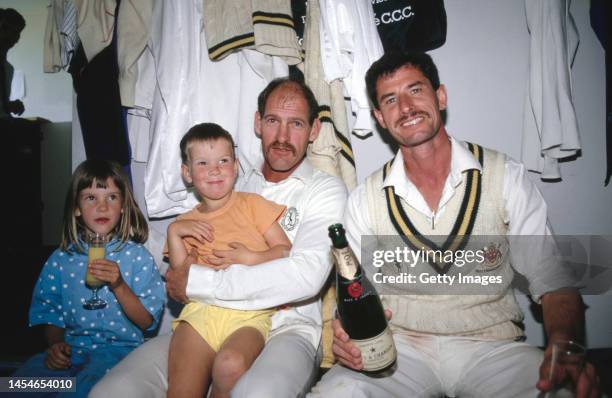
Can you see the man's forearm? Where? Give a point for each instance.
(278, 251)
(285, 280)
(563, 315)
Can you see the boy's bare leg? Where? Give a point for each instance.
(189, 363)
(234, 358)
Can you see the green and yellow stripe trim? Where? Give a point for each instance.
(270, 18)
(220, 50)
(346, 149)
(462, 229)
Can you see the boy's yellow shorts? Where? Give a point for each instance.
(216, 324)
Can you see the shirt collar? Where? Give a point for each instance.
(303, 172)
(461, 160)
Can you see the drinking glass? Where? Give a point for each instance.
(565, 367)
(97, 243)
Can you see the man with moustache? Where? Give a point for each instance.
(286, 122)
(453, 345)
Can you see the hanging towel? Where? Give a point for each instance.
(550, 128)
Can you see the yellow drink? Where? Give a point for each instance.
(94, 253)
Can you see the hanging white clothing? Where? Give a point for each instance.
(550, 128)
(193, 89)
(139, 115)
(349, 45)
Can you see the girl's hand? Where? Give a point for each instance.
(200, 230)
(107, 271)
(58, 356)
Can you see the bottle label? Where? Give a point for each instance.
(377, 352)
(346, 262)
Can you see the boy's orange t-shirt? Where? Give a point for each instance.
(244, 219)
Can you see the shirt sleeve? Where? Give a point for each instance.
(147, 285)
(295, 278)
(264, 211)
(533, 250)
(46, 307)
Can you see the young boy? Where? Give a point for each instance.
(229, 227)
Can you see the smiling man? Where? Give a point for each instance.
(448, 344)
(286, 122)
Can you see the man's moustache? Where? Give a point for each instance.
(284, 147)
(410, 116)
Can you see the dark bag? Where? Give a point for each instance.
(410, 25)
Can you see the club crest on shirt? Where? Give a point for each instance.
(291, 219)
(493, 254)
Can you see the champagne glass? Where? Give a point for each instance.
(97, 243)
(566, 365)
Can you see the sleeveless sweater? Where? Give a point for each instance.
(427, 309)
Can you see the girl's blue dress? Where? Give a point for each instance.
(99, 338)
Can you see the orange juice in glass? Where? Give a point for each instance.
(94, 253)
(96, 250)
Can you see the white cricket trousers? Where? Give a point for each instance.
(286, 367)
(435, 366)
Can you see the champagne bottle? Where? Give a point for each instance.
(359, 308)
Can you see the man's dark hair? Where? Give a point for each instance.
(204, 132)
(10, 16)
(390, 62)
(313, 106)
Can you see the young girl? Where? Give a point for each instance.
(86, 343)
(227, 226)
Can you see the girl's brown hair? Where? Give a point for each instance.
(132, 224)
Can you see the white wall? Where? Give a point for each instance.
(48, 95)
(484, 67)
